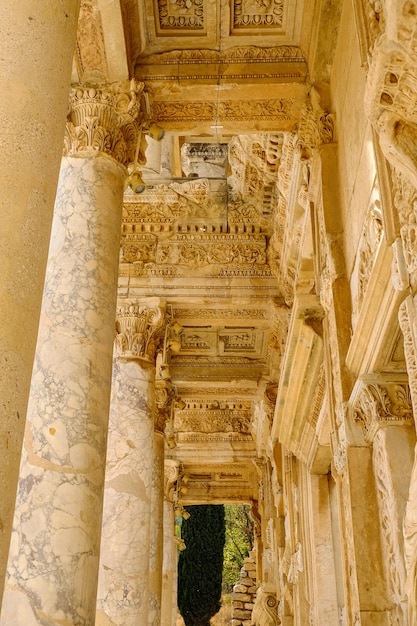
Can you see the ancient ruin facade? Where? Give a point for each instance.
(209, 295)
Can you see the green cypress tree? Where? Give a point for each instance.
(200, 564)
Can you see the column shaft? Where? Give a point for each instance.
(169, 565)
(157, 531)
(36, 51)
(125, 550)
(53, 559)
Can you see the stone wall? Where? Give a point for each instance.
(244, 593)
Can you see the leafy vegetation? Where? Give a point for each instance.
(239, 541)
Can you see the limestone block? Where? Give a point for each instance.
(241, 613)
(243, 597)
(239, 588)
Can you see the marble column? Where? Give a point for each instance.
(168, 597)
(169, 561)
(53, 559)
(157, 528)
(36, 51)
(123, 587)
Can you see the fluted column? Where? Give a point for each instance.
(36, 51)
(53, 560)
(124, 562)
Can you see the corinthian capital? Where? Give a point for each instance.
(137, 326)
(381, 403)
(316, 127)
(104, 119)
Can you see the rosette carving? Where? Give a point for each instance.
(104, 119)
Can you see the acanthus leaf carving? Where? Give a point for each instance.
(380, 404)
(136, 328)
(104, 119)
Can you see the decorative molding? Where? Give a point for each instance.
(104, 119)
(390, 526)
(206, 248)
(407, 316)
(405, 199)
(225, 110)
(369, 242)
(217, 314)
(136, 327)
(237, 55)
(213, 421)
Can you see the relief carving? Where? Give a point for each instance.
(235, 55)
(370, 239)
(265, 610)
(183, 15)
(392, 86)
(90, 53)
(248, 110)
(213, 421)
(204, 249)
(257, 13)
(389, 524)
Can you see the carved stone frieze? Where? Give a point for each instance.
(233, 110)
(104, 119)
(136, 328)
(213, 313)
(138, 248)
(206, 248)
(213, 421)
(185, 391)
(236, 54)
